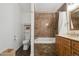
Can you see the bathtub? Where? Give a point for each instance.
(46, 40)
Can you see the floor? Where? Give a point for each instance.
(21, 52)
(40, 50)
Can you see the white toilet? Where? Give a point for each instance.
(26, 42)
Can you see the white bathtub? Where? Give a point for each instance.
(46, 40)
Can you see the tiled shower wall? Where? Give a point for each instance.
(46, 24)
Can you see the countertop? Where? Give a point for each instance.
(72, 37)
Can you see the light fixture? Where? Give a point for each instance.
(46, 24)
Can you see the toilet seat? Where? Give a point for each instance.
(25, 41)
(26, 44)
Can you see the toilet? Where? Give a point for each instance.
(26, 41)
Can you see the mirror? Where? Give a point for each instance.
(74, 22)
(74, 16)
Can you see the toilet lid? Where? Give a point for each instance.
(25, 41)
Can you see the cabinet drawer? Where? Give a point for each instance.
(75, 52)
(66, 42)
(75, 45)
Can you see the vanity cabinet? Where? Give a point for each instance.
(75, 48)
(67, 46)
(63, 46)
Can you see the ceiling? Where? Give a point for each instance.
(25, 7)
(41, 7)
(47, 7)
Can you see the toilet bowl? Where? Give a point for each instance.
(26, 44)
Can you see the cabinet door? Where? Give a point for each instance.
(59, 46)
(66, 47)
(75, 48)
(66, 51)
(75, 52)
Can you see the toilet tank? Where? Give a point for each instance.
(27, 35)
(27, 32)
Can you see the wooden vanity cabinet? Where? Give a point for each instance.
(66, 46)
(63, 46)
(75, 48)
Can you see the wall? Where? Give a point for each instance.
(10, 26)
(18, 27)
(45, 25)
(26, 13)
(26, 16)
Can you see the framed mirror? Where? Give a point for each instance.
(74, 17)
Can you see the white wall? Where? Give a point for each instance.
(26, 13)
(10, 25)
(18, 29)
(26, 16)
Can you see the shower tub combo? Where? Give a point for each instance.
(44, 46)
